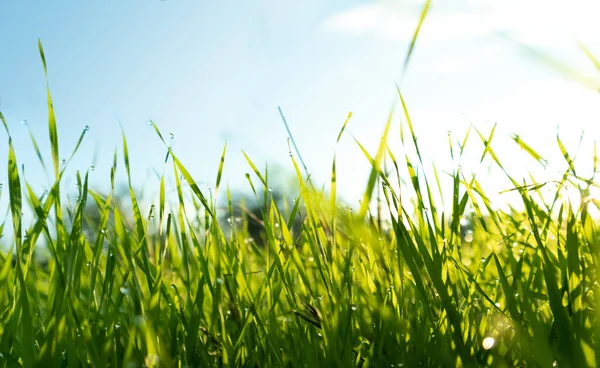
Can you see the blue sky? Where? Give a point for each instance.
(215, 72)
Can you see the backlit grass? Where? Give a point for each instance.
(409, 283)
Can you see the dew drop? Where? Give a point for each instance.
(139, 320)
(219, 280)
(353, 307)
(488, 343)
(124, 290)
(152, 360)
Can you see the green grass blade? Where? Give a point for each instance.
(413, 41)
(51, 118)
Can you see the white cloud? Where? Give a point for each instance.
(394, 23)
(535, 22)
(372, 19)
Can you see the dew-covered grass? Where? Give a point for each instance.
(401, 280)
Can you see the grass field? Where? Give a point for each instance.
(399, 281)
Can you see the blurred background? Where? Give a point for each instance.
(209, 73)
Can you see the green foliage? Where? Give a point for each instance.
(404, 288)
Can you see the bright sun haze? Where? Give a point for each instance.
(215, 73)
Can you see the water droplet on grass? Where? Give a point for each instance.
(139, 320)
(152, 360)
(353, 307)
(488, 343)
(124, 290)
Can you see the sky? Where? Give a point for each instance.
(214, 72)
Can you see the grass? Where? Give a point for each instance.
(409, 283)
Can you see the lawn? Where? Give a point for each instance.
(400, 280)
